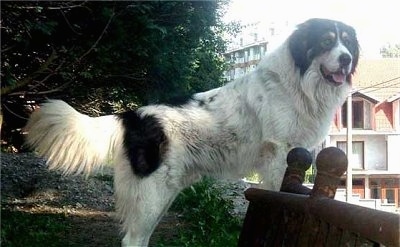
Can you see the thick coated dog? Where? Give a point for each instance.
(248, 124)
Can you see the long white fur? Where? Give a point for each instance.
(250, 124)
(73, 142)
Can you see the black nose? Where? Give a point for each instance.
(344, 60)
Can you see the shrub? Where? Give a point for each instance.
(207, 215)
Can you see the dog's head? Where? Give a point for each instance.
(331, 44)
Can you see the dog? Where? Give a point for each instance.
(247, 125)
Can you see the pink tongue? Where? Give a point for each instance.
(339, 78)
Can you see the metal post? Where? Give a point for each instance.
(349, 150)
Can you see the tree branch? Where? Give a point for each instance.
(98, 39)
(58, 89)
(68, 23)
(56, 8)
(31, 77)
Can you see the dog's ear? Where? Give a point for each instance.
(355, 51)
(355, 58)
(299, 46)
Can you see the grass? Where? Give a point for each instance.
(104, 177)
(34, 230)
(207, 216)
(310, 175)
(254, 177)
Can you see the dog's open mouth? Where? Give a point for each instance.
(337, 78)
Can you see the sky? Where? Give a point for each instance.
(376, 22)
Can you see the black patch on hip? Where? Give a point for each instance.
(144, 141)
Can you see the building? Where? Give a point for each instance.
(375, 132)
(250, 45)
(245, 59)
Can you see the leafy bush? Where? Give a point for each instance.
(207, 216)
(114, 53)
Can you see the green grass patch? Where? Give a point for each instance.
(254, 177)
(104, 177)
(310, 175)
(207, 216)
(33, 230)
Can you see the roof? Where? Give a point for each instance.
(394, 97)
(365, 96)
(241, 48)
(378, 79)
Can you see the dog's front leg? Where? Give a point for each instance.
(274, 165)
(273, 175)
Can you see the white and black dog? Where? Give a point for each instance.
(248, 124)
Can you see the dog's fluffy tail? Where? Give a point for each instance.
(73, 142)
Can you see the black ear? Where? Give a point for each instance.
(356, 54)
(355, 51)
(299, 46)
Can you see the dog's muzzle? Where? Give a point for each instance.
(339, 76)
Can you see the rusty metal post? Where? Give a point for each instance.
(298, 160)
(286, 219)
(331, 164)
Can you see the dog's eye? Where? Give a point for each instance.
(346, 41)
(327, 43)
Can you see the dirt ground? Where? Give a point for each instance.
(27, 186)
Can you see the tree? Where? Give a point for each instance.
(105, 57)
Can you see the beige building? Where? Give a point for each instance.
(375, 132)
(249, 46)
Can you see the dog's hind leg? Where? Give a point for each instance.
(141, 203)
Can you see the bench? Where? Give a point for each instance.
(299, 216)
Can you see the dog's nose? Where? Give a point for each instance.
(344, 60)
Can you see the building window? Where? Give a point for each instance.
(375, 193)
(358, 182)
(357, 159)
(256, 50)
(375, 187)
(390, 196)
(361, 114)
(246, 56)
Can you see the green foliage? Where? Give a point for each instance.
(254, 177)
(107, 57)
(111, 54)
(208, 217)
(24, 229)
(310, 175)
